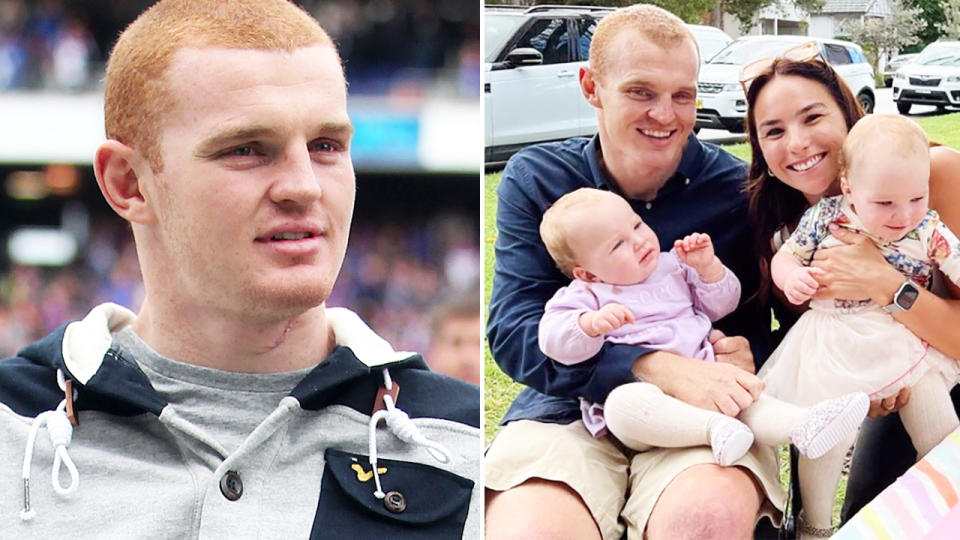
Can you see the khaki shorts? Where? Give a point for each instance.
(599, 471)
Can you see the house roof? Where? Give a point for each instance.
(855, 6)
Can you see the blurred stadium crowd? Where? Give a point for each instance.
(393, 47)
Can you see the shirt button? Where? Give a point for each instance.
(395, 502)
(231, 485)
(686, 182)
(649, 205)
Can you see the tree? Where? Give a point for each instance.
(932, 12)
(889, 34)
(950, 27)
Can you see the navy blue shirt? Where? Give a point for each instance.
(704, 195)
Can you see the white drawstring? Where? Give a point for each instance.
(60, 431)
(400, 424)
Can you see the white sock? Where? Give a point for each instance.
(929, 415)
(818, 484)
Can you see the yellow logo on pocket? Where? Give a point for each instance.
(365, 476)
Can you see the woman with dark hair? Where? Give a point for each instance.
(799, 113)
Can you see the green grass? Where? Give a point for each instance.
(499, 390)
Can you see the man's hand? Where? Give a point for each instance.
(734, 350)
(696, 251)
(606, 319)
(714, 386)
(883, 407)
(802, 284)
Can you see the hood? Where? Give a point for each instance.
(914, 70)
(719, 73)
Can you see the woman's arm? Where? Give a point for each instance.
(859, 270)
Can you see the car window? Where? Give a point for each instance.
(497, 29)
(585, 29)
(940, 54)
(856, 56)
(744, 51)
(836, 54)
(549, 36)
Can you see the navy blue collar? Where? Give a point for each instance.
(690, 164)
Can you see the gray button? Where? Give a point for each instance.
(686, 182)
(649, 205)
(231, 485)
(395, 502)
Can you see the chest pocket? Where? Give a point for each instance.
(421, 502)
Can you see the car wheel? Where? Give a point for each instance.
(902, 107)
(866, 102)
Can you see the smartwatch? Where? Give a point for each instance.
(904, 298)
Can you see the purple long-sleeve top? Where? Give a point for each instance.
(673, 309)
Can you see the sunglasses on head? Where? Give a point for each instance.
(804, 52)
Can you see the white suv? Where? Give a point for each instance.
(721, 103)
(933, 78)
(531, 73)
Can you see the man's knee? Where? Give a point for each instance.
(538, 509)
(707, 501)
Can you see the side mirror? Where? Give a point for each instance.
(524, 56)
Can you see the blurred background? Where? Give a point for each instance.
(413, 257)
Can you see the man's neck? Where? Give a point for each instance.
(636, 179)
(209, 338)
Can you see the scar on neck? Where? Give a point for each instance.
(283, 335)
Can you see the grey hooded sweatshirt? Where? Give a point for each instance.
(167, 450)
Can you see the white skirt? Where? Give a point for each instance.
(830, 352)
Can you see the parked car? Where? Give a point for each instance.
(721, 103)
(532, 60)
(894, 64)
(932, 78)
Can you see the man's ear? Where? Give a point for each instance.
(114, 167)
(583, 274)
(588, 85)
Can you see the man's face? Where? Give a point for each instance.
(647, 102)
(254, 202)
(457, 349)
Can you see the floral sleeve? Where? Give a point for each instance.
(812, 229)
(944, 249)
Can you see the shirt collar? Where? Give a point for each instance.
(690, 163)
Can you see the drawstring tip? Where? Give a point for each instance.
(27, 515)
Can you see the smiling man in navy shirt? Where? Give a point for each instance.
(546, 477)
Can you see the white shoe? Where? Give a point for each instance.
(829, 423)
(730, 439)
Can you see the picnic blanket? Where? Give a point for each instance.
(921, 504)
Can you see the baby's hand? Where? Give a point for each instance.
(696, 251)
(606, 319)
(802, 284)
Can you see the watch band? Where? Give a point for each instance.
(904, 298)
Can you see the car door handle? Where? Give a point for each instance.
(565, 73)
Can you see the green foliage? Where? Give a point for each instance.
(690, 11)
(950, 27)
(931, 11)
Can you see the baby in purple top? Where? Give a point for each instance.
(625, 290)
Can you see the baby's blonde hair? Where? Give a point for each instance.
(663, 28)
(553, 227)
(137, 93)
(883, 134)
